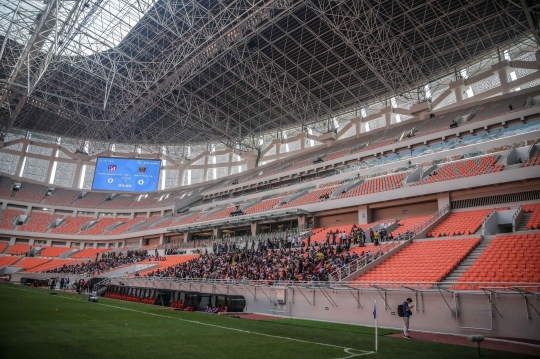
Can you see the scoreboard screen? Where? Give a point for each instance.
(126, 174)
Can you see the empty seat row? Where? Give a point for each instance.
(508, 259)
(428, 261)
(461, 223)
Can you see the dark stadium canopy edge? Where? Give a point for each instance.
(193, 71)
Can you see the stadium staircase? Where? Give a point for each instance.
(468, 261)
(377, 255)
(522, 227)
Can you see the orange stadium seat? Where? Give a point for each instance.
(462, 223)
(508, 259)
(169, 261)
(6, 261)
(61, 197)
(89, 253)
(118, 202)
(375, 185)
(125, 226)
(53, 251)
(534, 221)
(91, 200)
(407, 224)
(3, 246)
(71, 225)
(29, 192)
(38, 222)
(462, 169)
(19, 248)
(101, 225)
(55, 263)
(7, 218)
(428, 261)
(31, 262)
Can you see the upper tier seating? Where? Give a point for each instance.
(313, 196)
(190, 218)
(101, 225)
(143, 203)
(29, 263)
(375, 185)
(91, 200)
(509, 258)
(535, 161)
(146, 223)
(7, 218)
(125, 226)
(53, 251)
(61, 197)
(71, 225)
(38, 222)
(6, 261)
(118, 202)
(6, 186)
(220, 214)
(19, 248)
(56, 263)
(534, 221)
(263, 206)
(3, 246)
(407, 224)
(170, 261)
(428, 261)
(462, 169)
(32, 193)
(462, 223)
(89, 253)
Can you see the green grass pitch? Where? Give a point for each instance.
(35, 324)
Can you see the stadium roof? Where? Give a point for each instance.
(192, 71)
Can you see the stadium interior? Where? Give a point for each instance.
(316, 156)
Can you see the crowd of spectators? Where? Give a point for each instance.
(107, 262)
(263, 263)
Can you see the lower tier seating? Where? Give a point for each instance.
(534, 221)
(56, 263)
(509, 258)
(407, 224)
(89, 253)
(53, 251)
(6, 261)
(30, 262)
(19, 248)
(428, 261)
(169, 261)
(462, 223)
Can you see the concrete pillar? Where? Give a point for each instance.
(443, 199)
(503, 79)
(358, 129)
(364, 214)
(187, 236)
(21, 159)
(162, 238)
(50, 167)
(316, 222)
(302, 221)
(255, 228)
(78, 174)
(205, 172)
(388, 119)
(459, 94)
(217, 232)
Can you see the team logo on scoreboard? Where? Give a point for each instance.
(142, 169)
(112, 168)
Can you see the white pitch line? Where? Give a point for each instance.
(345, 349)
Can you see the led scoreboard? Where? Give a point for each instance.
(126, 174)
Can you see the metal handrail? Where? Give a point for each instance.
(346, 285)
(370, 255)
(517, 213)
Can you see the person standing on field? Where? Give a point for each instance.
(406, 315)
